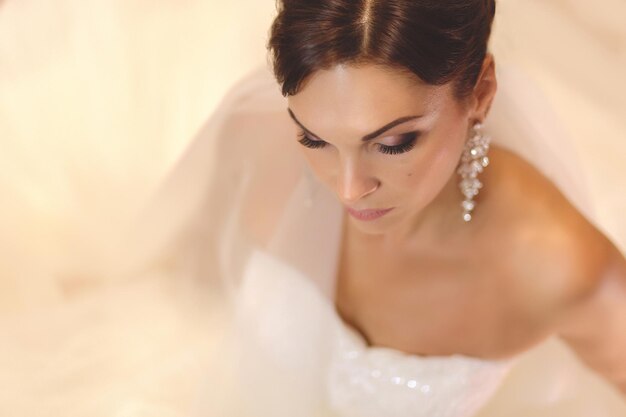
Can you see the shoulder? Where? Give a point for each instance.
(556, 261)
(554, 255)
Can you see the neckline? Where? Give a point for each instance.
(363, 344)
(361, 340)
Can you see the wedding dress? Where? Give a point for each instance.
(242, 210)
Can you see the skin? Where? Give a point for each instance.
(522, 270)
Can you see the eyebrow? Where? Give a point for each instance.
(367, 137)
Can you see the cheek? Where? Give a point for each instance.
(442, 156)
(429, 173)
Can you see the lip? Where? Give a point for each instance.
(367, 215)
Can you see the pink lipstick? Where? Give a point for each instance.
(367, 215)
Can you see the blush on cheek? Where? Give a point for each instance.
(443, 160)
(434, 174)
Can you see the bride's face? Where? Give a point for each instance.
(380, 140)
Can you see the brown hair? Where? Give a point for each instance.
(436, 40)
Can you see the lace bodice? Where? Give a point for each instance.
(360, 380)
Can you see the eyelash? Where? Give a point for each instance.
(407, 145)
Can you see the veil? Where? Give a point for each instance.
(243, 192)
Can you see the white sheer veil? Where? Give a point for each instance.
(242, 185)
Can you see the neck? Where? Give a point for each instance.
(439, 218)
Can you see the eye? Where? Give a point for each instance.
(310, 143)
(407, 144)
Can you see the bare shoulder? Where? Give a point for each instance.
(553, 253)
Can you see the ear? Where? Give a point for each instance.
(484, 90)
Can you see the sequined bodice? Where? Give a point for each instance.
(359, 380)
(373, 381)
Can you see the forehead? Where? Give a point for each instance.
(365, 96)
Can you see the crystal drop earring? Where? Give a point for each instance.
(473, 161)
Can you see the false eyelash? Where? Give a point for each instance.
(309, 143)
(406, 146)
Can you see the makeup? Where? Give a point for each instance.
(368, 215)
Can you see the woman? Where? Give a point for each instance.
(390, 244)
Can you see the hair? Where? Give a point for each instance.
(438, 41)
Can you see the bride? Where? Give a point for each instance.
(391, 235)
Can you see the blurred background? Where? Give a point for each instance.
(98, 98)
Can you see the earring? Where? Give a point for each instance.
(473, 161)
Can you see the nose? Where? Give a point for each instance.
(353, 182)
